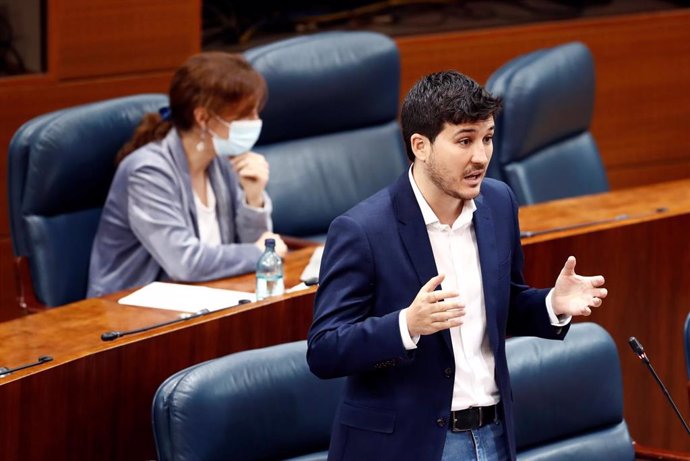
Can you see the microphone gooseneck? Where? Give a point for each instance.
(620, 217)
(113, 335)
(4, 371)
(637, 348)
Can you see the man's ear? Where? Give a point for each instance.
(201, 116)
(421, 146)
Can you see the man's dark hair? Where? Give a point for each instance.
(444, 97)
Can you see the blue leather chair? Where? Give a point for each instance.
(543, 147)
(262, 404)
(569, 397)
(567, 394)
(60, 168)
(330, 132)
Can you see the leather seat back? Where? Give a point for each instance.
(568, 397)
(331, 134)
(60, 168)
(543, 147)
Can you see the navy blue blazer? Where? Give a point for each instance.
(396, 402)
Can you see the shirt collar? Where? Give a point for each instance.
(428, 214)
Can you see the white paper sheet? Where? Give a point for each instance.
(185, 298)
(312, 270)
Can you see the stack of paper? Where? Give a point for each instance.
(185, 298)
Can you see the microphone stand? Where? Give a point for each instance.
(639, 351)
(113, 335)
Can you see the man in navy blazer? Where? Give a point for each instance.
(421, 283)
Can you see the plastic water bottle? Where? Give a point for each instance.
(269, 273)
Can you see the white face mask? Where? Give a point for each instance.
(243, 134)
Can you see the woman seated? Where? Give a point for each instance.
(188, 200)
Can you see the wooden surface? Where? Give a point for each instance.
(112, 37)
(93, 401)
(646, 262)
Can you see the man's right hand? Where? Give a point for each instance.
(429, 313)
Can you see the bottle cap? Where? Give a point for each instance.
(270, 243)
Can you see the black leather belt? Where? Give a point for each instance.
(473, 418)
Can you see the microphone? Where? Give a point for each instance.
(113, 335)
(637, 348)
(620, 217)
(4, 371)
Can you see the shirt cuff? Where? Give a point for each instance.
(556, 321)
(408, 341)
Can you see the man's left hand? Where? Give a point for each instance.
(576, 294)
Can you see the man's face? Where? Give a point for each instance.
(459, 157)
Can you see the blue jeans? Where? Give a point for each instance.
(488, 443)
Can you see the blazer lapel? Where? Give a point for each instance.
(488, 259)
(174, 145)
(414, 235)
(413, 230)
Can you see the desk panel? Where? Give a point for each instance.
(646, 262)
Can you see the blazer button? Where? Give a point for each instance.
(448, 372)
(441, 422)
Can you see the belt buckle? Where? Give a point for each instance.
(455, 427)
(481, 416)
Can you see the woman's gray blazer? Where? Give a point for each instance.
(148, 230)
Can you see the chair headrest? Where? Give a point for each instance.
(327, 82)
(547, 95)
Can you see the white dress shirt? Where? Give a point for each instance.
(457, 256)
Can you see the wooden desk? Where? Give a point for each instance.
(93, 402)
(646, 262)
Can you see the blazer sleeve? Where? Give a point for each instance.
(157, 218)
(346, 336)
(251, 222)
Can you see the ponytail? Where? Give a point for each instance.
(152, 128)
